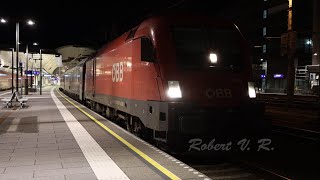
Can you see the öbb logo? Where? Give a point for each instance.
(218, 93)
(117, 72)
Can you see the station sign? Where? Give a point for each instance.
(277, 76)
(29, 72)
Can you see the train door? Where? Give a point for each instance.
(82, 81)
(94, 78)
(88, 80)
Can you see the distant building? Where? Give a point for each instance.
(316, 33)
(273, 55)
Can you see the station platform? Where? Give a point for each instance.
(54, 137)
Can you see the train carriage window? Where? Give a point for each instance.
(147, 50)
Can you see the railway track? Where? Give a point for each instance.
(297, 132)
(236, 169)
(298, 101)
(282, 164)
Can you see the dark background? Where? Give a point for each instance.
(93, 23)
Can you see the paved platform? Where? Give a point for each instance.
(56, 138)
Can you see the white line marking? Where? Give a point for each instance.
(102, 165)
(4, 93)
(30, 97)
(14, 125)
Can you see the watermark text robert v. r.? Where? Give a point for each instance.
(243, 144)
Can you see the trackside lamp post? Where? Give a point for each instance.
(291, 45)
(30, 22)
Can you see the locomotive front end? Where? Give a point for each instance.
(208, 88)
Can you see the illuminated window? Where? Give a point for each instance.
(265, 14)
(308, 45)
(308, 41)
(264, 31)
(264, 48)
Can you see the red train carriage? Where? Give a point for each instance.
(6, 80)
(174, 78)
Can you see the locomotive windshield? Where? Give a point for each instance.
(207, 48)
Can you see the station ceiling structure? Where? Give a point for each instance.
(50, 62)
(63, 58)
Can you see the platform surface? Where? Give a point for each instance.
(54, 137)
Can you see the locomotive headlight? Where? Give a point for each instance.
(213, 58)
(251, 90)
(174, 90)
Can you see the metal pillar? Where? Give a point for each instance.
(316, 33)
(12, 72)
(31, 75)
(40, 72)
(26, 86)
(17, 56)
(21, 70)
(291, 52)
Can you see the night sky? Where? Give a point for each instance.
(94, 23)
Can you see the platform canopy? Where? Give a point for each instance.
(50, 62)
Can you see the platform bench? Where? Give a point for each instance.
(22, 101)
(8, 101)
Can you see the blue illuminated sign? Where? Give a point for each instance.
(32, 72)
(278, 75)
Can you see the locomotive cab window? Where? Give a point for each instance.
(147, 50)
(207, 48)
(131, 34)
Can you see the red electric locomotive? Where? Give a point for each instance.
(171, 79)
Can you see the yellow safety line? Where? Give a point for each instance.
(136, 150)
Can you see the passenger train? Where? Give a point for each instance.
(171, 79)
(6, 80)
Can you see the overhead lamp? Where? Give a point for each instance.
(30, 22)
(3, 20)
